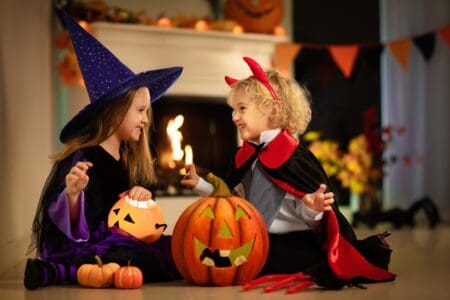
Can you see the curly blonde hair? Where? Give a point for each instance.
(294, 99)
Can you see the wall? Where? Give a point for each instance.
(25, 123)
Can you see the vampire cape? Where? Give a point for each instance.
(297, 171)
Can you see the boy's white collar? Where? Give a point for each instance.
(267, 136)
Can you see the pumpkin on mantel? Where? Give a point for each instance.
(142, 219)
(259, 16)
(220, 241)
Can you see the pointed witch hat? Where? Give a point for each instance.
(106, 78)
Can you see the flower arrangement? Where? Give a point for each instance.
(357, 168)
(360, 171)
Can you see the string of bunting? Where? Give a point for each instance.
(345, 55)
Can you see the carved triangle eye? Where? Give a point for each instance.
(116, 211)
(129, 219)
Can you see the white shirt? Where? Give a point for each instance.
(293, 215)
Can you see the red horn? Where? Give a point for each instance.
(230, 81)
(257, 71)
(260, 75)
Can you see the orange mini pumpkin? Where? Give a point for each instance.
(255, 16)
(129, 277)
(220, 241)
(97, 275)
(141, 219)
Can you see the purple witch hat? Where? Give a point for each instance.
(107, 78)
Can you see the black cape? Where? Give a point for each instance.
(297, 171)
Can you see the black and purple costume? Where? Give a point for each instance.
(57, 240)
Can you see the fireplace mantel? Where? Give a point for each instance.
(205, 56)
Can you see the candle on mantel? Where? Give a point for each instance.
(188, 155)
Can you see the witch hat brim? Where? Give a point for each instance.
(157, 81)
(107, 79)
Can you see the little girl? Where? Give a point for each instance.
(288, 186)
(105, 155)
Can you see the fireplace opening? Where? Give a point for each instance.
(190, 128)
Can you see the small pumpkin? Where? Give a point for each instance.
(260, 16)
(129, 277)
(220, 241)
(97, 275)
(142, 219)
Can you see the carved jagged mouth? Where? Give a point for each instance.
(222, 258)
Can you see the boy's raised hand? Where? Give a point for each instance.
(319, 200)
(77, 179)
(191, 178)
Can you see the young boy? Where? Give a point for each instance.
(288, 186)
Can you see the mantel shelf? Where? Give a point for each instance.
(206, 56)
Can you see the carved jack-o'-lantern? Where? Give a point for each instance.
(141, 219)
(261, 16)
(220, 241)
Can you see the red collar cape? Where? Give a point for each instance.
(277, 152)
(296, 170)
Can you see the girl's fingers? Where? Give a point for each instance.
(139, 194)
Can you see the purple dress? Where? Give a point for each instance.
(59, 240)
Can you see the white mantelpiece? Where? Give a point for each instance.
(206, 56)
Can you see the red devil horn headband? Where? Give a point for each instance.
(258, 74)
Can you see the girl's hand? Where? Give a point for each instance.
(77, 179)
(138, 193)
(191, 178)
(319, 200)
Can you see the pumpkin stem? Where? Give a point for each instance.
(99, 261)
(129, 261)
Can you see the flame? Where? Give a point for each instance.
(170, 158)
(175, 136)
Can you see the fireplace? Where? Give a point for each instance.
(202, 123)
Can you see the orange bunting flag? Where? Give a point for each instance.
(400, 49)
(344, 57)
(445, 34)
(285, 53)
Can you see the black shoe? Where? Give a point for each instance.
(34, 274)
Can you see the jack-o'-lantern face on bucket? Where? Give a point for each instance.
(141, 219)
(220, 241)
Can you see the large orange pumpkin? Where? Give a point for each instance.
(142, 219)
(220, 241)
(260, 16)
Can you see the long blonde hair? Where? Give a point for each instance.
(294, 99)
(136, 157)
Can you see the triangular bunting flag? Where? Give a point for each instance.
(344, 57)
(425, 43)
(445, 34)
(285, 53)
(400, 49)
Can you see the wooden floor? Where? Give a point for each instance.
(421, 260)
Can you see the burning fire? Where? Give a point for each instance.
(176, 152)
